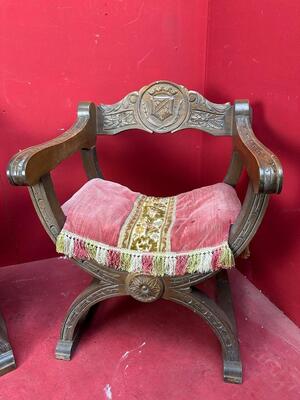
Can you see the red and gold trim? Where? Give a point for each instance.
(153, 263)
(148, 226)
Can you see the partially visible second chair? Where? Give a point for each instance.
(7, 360)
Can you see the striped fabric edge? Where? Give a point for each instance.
(201, 260)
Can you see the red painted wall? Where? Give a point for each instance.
(253, 52)
(55, 54)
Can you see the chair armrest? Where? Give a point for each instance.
(29, 165)
(263, 167)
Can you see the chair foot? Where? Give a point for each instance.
(77, 313)
(233, 371)
(221, 320)
(232, 368)
(7, 362)
(64, 349)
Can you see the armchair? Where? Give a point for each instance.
(149, 247)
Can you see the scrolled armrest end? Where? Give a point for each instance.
(16, 169)
(29, 165)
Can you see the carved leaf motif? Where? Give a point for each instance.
(206, 120)
(163, 107)
(221, 328)
(103, 291)
(120, 115)
(119, 120)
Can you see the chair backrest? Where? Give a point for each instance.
(164, 107)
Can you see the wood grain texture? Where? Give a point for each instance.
(47, 206)
(220, 319)
(248, 221)
(27, 167)
(263, 167)
(90, 163)
(164, 107)
(160, 107)
(108, 282)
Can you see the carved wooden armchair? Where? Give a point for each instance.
(147, 247)
(7, 360)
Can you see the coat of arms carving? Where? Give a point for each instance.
(163, 107)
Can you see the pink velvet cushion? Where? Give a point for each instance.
(109, 223)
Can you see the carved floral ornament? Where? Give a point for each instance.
(163, 107)
(145, 288)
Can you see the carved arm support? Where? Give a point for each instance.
(32, 166)
(263, 167)
(248, 221)
(265, 175)
(29, 165)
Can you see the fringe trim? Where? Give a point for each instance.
(158, 264)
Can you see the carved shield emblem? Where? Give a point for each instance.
(162, 106)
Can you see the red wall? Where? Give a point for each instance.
(253, 52)
(58, 53)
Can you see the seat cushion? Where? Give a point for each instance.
(122, 229)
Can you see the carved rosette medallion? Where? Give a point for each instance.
(144, 288)
(163, 106)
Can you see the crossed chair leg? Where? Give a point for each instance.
(77, 313)
(219, 317)
(7, 360)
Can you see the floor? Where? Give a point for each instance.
(135, 351)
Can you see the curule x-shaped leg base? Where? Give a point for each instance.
(221, 320)
(77, 313)
(7, 360)
(219, 317)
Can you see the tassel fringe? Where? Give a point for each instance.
(157, 264)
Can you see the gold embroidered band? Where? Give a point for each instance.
(148, 226)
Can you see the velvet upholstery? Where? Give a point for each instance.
(107, 217)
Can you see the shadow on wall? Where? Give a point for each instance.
(275, 246)
(281, 215)
(277, 215)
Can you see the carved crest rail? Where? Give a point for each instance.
(163, 107)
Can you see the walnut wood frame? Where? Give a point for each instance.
(7, 360)
(160, 107)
